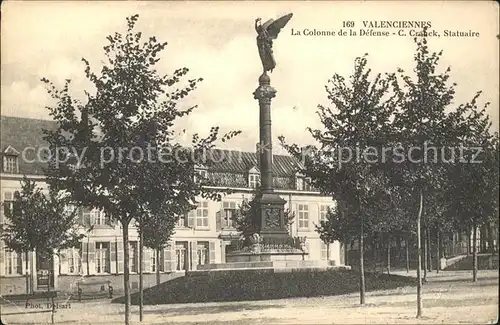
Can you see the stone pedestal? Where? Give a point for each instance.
(271, 215)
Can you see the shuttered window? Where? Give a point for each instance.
(13, 263)
(303, 212)
(10, 164)
(119, 256)
(133, 256)
(74, 258)
(323, 212)
(182, 221)
(230, 209)
(153, 261)
(169, 258)
(89, 217)
(8, 205)
(202, 215)
(102, 257)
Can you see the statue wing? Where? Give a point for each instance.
(267, 23)
(273, 27)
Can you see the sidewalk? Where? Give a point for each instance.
(450, 275)
(449, 297)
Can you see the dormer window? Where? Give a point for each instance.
(299, 183)
(10, 161)
(302, 183)
(253, 178)
(200, 174)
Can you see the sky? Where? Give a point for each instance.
(216, 41)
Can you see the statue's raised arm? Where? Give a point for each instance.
(266, 33)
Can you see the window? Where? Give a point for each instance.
(8, 203)
(180, 255)
(13, 263)
(182, 221)
(200, 174)
(253, 180)
(307, 184)
(153, 260)
(202, 215)
(299, 182)
(230, 210)
(323, 212)
(132, 256)
(102, 257)
(9, 164)
(96, 217)
(99, 218)
(74, 260)
(303, 216)
(302, 184)
(202, 256)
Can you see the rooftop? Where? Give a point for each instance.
(18, 133)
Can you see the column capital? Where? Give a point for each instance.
(264, 92)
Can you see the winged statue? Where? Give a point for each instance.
(266, 33)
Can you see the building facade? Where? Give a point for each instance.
(202, 236)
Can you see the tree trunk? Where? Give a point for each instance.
(27, 274)
(398, 247)
(361, 266)
(483, 237)
(438, 251)
(480, 244)
(491, 247)
(374, 253)
(388, 254)
(32, 273)
(474, 254)
(141, 257)
(87, 257)
(52, 307)
(468, 243)
(425, 255)
(157, 251)
(126, 274)
(419, 256)
(496, 232)
(429, 249)
(407, 244)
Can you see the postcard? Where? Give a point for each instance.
(270, 162)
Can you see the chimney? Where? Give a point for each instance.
(306, 152)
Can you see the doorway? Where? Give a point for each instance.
(44, 272)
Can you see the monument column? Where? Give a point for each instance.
(264, 93)
(270, 212)
(269, 240)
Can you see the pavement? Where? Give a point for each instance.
(449, 297)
